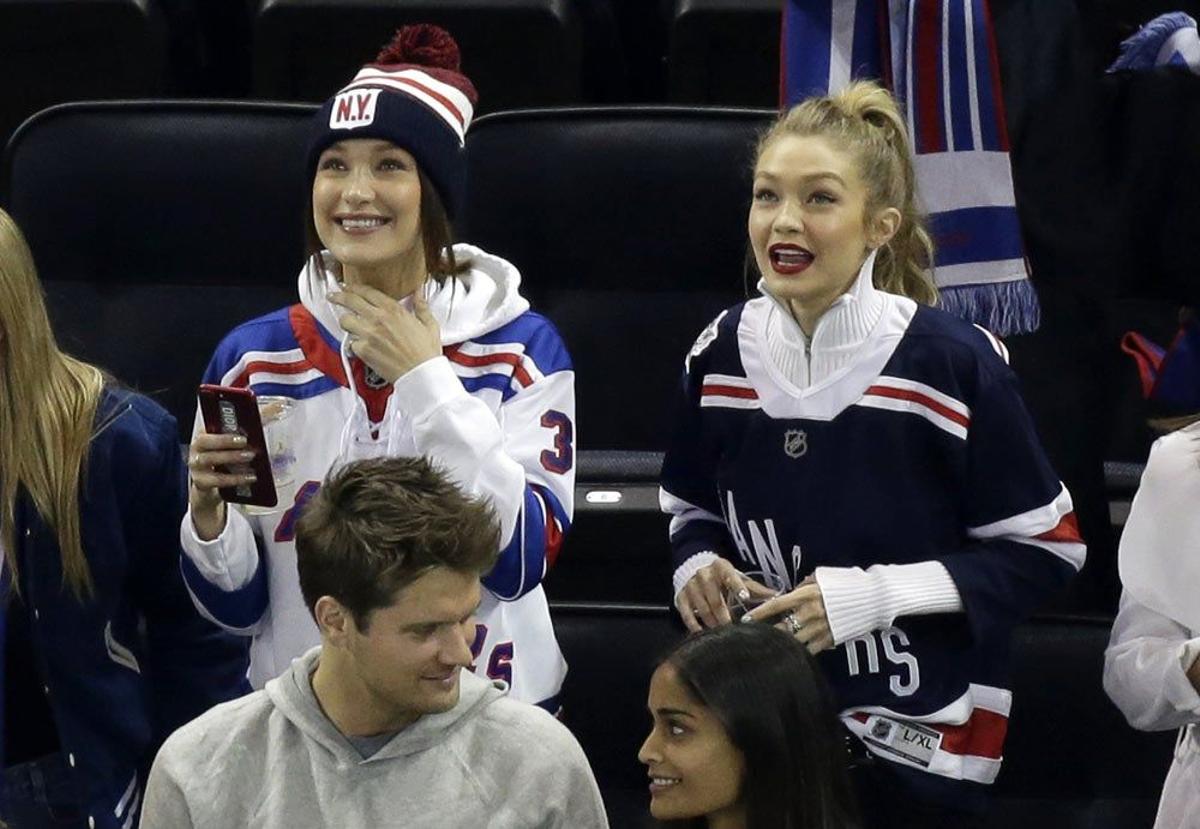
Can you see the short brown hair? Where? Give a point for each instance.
(378, 525)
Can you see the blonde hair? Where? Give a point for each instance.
(48, 402)
(865, 122)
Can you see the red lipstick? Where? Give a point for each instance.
(788, 259)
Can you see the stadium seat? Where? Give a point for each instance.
(517, 52)
(611, 651)
(628, 225)
(158, 226)
(725, 52)
(53, 51)
(1071, 761)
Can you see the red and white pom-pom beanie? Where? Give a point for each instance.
(413, 95)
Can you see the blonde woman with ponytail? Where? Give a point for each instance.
(856, 466)
(103, 653)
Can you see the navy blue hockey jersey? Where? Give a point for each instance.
(920, 450)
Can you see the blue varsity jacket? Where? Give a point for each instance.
(132, 662)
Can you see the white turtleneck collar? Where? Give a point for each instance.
(838, 334)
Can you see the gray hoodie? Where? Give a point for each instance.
(274, 760)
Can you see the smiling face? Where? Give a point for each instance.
(366, 202)
(809, 225)
(695, 770)
(407, 661)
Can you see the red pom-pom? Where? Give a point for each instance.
(423, 44)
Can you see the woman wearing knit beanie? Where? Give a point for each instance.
(402, 344)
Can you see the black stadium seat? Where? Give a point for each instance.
(158, 226)
(629, 227)
(725, 52)
(1071, 761)
(611, 651)
(52, 51)
(517, 52)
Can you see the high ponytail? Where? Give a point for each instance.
(864, 120)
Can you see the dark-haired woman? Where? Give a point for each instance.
(103, 654)
(402, 344)
(744, 736)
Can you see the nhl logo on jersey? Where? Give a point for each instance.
(373, 379)
(795, 442)
(881, 730)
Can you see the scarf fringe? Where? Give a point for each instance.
(1004, 308)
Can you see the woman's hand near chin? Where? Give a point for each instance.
(384, 334)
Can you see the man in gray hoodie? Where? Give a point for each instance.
(380, 726)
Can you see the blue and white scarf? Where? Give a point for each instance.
(939, 58)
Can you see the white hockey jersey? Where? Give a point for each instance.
(496, 410)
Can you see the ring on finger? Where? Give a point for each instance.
(793, 623)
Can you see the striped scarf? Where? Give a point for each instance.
(939, 58)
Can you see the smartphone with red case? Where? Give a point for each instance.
(231, 411)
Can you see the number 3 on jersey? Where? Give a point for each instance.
(563, 457)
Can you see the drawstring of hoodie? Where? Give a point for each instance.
(358, 409)
(357, 420)
(316, 272)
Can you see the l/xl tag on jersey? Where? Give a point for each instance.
(907, 740)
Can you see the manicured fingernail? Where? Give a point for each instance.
(743, 594)
(747, 618)
(246, 455)
(250, 478)
(239, 440)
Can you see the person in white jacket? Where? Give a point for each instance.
(402, 344)
(380, 726)
(1152, 665)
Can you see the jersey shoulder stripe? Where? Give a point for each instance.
(514, 357)
(902, 395)
(727, 391)
(539, 338)
(268, 355)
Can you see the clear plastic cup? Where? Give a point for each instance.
(740, 605)
(276, 413)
